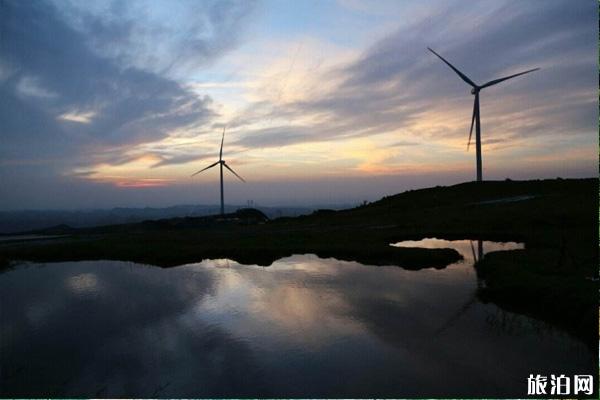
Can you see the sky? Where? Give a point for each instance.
(117, 103)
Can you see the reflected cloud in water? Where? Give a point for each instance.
(83, 283)
(469, 249)
(303, 327)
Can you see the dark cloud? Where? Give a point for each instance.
(127, 106)
(274, 137)
(78, 88)
(180, 159)
(403, 143)
(173, 37)
(514, 34)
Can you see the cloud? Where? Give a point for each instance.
(171, 38)
(79, 86)
(123, 106)
(121, 89)
(178, 159)
(403, 143)
(275, 137)
(397, 87)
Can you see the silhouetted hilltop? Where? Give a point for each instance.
(239, 217)
(474, 209)
(28, 220)
(485, 208)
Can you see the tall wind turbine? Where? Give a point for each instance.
(475, 119)
(222, 164)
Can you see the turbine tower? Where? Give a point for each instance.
(222, 164)
(475, 118)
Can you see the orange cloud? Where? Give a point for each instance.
(143, 183)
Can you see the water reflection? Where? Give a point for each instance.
(471, 250)
(304, 327)
(83, 283)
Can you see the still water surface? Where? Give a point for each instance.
(304, 326)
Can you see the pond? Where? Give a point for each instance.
(303, 327)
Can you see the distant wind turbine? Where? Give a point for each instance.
(475, 119)
(222, 164)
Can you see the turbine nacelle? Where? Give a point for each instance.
(474, 91)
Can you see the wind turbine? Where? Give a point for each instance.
(222, 164)
(475, 119)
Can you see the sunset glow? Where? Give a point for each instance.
(335, 89)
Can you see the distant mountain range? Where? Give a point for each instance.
(25, 220)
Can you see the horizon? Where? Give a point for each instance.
(342, 204)
(113, 104)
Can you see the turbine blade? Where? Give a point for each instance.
(496, 81)
(472, 123)
(463, 76)
(232, 171)
(222, 139)
(204, 169)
